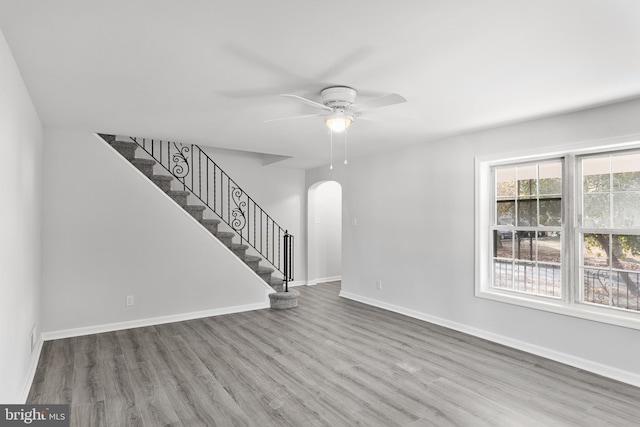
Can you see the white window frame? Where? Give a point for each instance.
(569, 304)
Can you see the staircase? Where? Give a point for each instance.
(175, 170)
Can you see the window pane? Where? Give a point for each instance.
(527, 184)
(595, 250)
(617, 282)
(549, 280)
(595, 211)
(503, 244)
(506, 212)
(623, 289)
(549, 247)
(595, 289)
(527, 213)
(626, 210)
(612, 288)
(506, 182)
(502, 274)
(626, 181)
(626, 252)
(626, 172)
(550, 178)
(595, 175)
(525, 245)
(550, 212)
(525, 277)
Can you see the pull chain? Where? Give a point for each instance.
(331, 148)
(345, 147)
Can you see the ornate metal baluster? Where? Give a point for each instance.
(180, 168)
(239, 219)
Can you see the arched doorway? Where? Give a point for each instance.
(324, 232)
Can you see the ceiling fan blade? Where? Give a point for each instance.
(308, 102)
(381, 101)
(294, 117)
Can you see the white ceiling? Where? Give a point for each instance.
(209, 72)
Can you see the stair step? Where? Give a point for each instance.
(265, 273)
(284, 300)
(277, 284)
(211, 225)
(127, 149)
(179, 196)
(162, 181)
(195, 211)
(253, 262)
(225, 237)
(108, 138)
(239, 249)
(144, 165)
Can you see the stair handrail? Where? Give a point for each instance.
(178, 160)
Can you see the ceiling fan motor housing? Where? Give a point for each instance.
(338, 97)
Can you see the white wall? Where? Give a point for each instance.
(20, 237)
(108, 232)
(279, 191)
(324, 234)
(415, 232)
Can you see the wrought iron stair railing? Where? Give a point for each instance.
(200, 175)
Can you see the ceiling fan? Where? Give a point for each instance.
(340, 108)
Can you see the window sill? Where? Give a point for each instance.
(583, 311)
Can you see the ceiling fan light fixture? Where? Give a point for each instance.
(338, 123)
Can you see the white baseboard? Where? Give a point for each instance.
(323, 280)
(110, 327)
(33, 366)
(297, 283)
(567, 359)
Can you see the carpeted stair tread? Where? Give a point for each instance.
(162, 181)
(277, 284)
(140, 161)
(211, 225)
(179, 196)
(235, 246)
(196, 211)
(253, 262)
(144, 165)
(126, 149)
(109, 138)
(265, 270)
(162, 178)
(226, 238)
(178, 193)
(227, 234)
(123, 144)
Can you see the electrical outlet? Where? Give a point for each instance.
(129, 300)
(378, 284)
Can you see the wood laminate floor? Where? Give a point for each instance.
(329, 362)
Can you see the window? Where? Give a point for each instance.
(527, 228)
(562, 233)
(609, 231)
